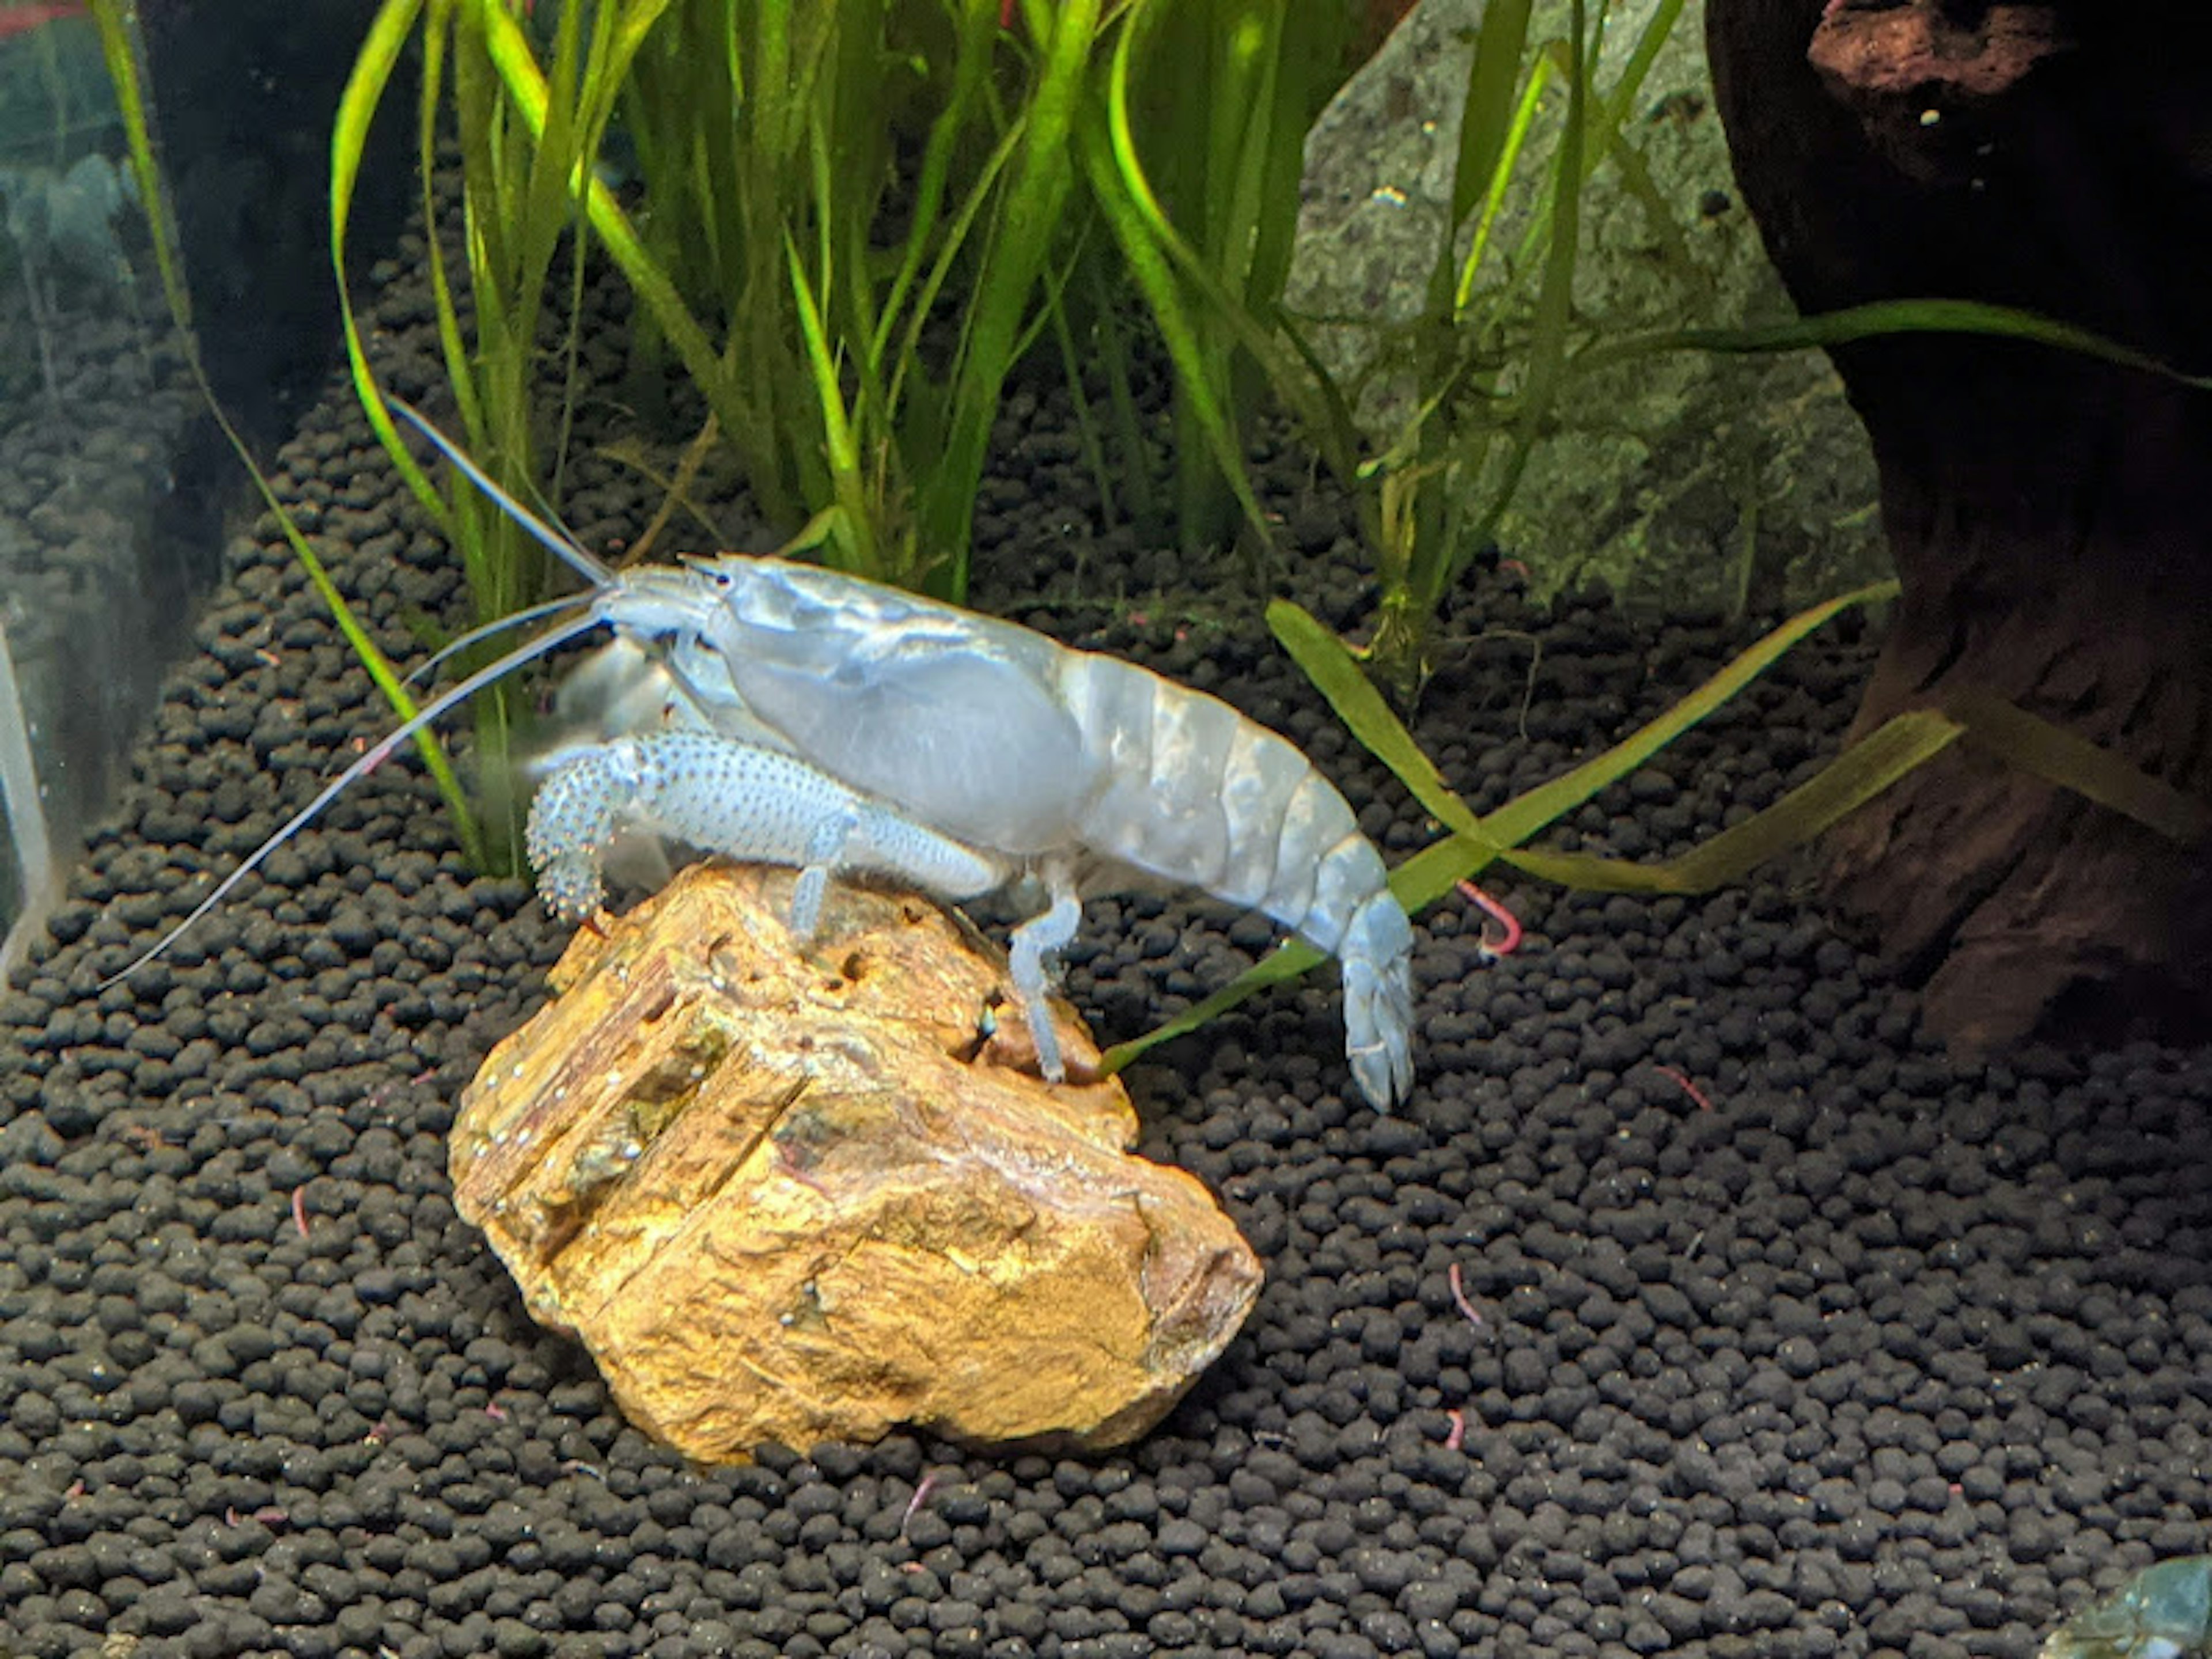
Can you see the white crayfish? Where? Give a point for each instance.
(815, 719)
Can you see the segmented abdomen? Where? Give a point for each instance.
(1192, 792)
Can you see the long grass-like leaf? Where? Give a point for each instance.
(1287, 962)
(976, 25)
(1310, 45)
(2057, 756)
(1088, 437)
(1856, 776)
(364, 90)
(1475, 842)
(647, 276)
(1521, 817)
(1006, 285)
(1144, 255)
(837, 429)
(1335, 673)
(1441, 564)
(1521, 123)
(1154, 250)
(1238, 162)
(444, 308)
(965, 217)
(119, 48)
(1880, 318)
(1487, 118)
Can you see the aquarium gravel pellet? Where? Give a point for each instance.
(1696, 1304)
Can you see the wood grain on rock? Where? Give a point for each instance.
(790, 1197)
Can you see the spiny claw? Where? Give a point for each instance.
(570, 885)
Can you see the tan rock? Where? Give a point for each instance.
(791, 1198)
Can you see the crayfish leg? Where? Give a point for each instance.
(1029, 954)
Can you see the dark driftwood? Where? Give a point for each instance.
(2051, 516)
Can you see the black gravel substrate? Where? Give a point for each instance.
(1781, 1336)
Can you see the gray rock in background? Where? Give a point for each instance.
(1682, 482)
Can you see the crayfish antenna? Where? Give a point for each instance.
(561, 545)
(528, 614)
(368, 762)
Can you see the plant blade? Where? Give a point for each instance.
(1475, 843)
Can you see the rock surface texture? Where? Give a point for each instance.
(792, 1196)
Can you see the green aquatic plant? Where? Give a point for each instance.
(867, 201)
(1472, 841)
(119, 50)
(516, 173)
(1493, 366)
(850, 223)
(891, 204)
(1489, 355)
(1192, 140)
